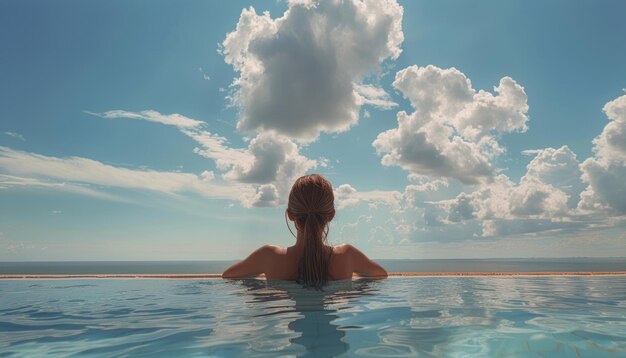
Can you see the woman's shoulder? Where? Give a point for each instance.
(269, 249)
(273, 249)
(343, 249)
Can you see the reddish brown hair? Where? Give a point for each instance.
(312, 206)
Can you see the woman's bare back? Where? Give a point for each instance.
(311, 208)
(282, 263)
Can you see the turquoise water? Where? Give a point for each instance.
(421, 316)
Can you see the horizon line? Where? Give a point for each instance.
(394, 259)
(262, 277)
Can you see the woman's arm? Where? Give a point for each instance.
(362, 265)
(253, 265)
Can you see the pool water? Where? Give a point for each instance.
(409, 316)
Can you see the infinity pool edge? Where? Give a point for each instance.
(391, 274)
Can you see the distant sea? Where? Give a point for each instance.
(431, 265)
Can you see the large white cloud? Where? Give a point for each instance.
(605, 172)
(299, 74)
(548, 192)
(606, 191)
(453, 132)
(557, 192)
(610, 145)
(559, 168)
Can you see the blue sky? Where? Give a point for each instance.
(168, 131)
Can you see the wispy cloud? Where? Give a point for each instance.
(15, 135)
(374, 96)
(174, 119)
(55, 173)
(204, 75)
(12, 181)
(346, 195)
(14, 246)
(270, 163)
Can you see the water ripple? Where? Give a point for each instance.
(423, 316)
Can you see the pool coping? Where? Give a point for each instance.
(391, 274)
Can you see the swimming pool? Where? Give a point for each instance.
(404, 316)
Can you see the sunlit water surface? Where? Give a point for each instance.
(422, 316)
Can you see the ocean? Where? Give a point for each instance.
(212, 267)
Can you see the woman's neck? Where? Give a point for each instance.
(299, 245)
(299, 240)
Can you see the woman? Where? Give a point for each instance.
(310, 261)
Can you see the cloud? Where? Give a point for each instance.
(461, 208)
(374, 96)
(404, 214)
(356, 232)
(494, 228)
(610, 145)
(423, 183)
(20, 246)
(548, 192)
(297, 73)
(537, 199)
(556, 194)
(559, 168)
(213, 146)
(204, 75)
(503, 199)
(77, 170)
(537, 203)
(606, 190)
(15, 135)
(174, 119)
(346, 196)
(11, 181)
(604, 173)
(265, 195)
(270, 159)
(270, 163)
(454, 130)
(324, 162)
(273, 158)
(395, 213)
(216, 147)
(207, 175)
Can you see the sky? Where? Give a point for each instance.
(164, 130)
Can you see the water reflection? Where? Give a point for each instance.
(312, 312)
(430, 316)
